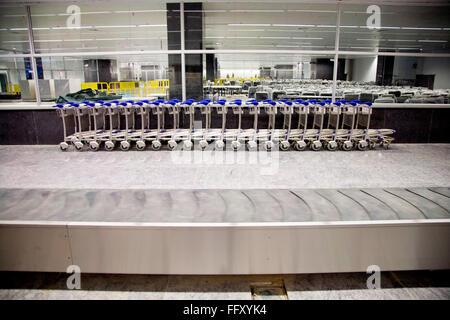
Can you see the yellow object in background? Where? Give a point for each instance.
(131, 88)
(13, 88)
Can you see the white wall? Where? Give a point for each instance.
(405, 68)
(440, 67)
(364, 69)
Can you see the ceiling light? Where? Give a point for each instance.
(269, 11)
(274, 37)
(416, 28)
(286, 46)
(400, 40)
(152, 25)
(325, 26)
(293, 25)
(250, 24)
(122, 26)
(433, 41)
(301, 38)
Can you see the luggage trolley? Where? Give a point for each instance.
(349, 111)
(254, 109)
(97, 114)
(158, 111)
(332, 132)
(319, 110)
(235, 135)
(113, 113)
(66, 111)
(270, 107)
(101, 123)
(364, 111)
(302, 109)
(188, 109)
(82, 114)
(204, 135)
(221, 109)
(286, 108)
(174, 134)
(143, 110)
(127, 109)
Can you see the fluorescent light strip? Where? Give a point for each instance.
(299, 10)
(400, 40)
(293, 25)
(438, 41)
(139, 11)
(417, 28)
(257, 10)
(325, 26)
(274, 37)
(242, 37)
(250, 24)
(152, 25)
(301, 38)
(70, 28)
(123, 26)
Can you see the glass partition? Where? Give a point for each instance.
(14, 31)
(275, 26)
(83, 28)
(396, 28)
(397, 79)
(16, 80)
(268, 76)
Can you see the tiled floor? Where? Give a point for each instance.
(394, 285)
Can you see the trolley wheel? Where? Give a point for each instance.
(332, 145)
(64, 146)
(172, 144)
(187, 145)
(252, 145)
(268, 145)
(140, 145)
(156, 145)
(347, 145)
(203, 144)
(93, 146)
(316, 145)
(219, 145)
(362, 145)
(300, 145)
(284, 145)
(235, 145)
(371, 145)
(386, 144)
(78, 145)
(109, 146)
(124, 145)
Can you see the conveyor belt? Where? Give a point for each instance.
(255, 205)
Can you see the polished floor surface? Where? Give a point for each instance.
(394, 285)
(403, 166)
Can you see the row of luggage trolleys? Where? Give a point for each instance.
(332, 125)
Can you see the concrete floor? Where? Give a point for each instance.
(433, 285)
(403, 166)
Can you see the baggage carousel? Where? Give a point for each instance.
(126, 226)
